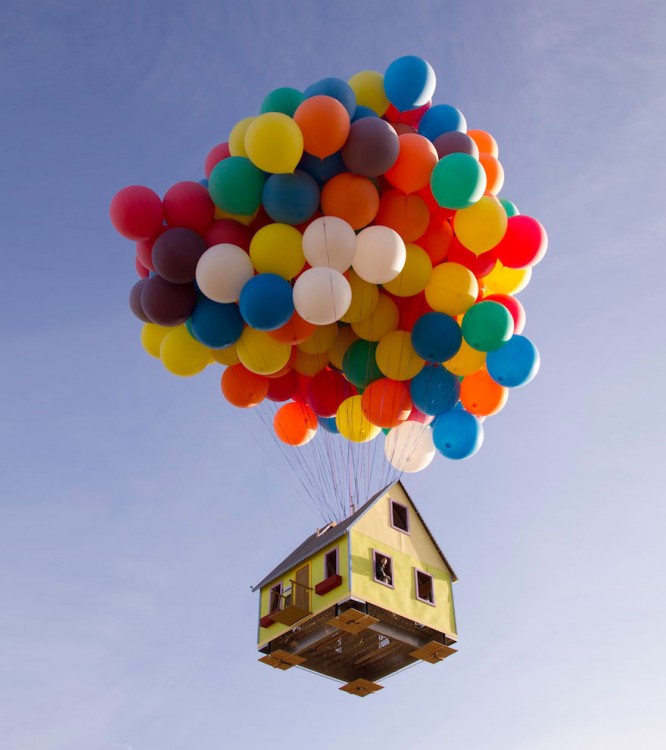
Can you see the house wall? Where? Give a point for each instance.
(408, 551)
(318, 603)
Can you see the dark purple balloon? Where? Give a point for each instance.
(455, 142)
(135, 300)
(167, 304)
(176, 254)
(371, 148)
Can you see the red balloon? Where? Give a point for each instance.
(410, 117)
(406, 214)
(327, 390)
(188, 204)
(215, 156)
(284, 387)
(136, 212)
(144, 249)
(141, 271)
(436, 239)
(514, 306)
(410, 309)
(261, 220)
(228, 231)
(479, 265)
(418, 416)
(524, 243)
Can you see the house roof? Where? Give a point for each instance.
(318, 541)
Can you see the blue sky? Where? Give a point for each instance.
(136, 509)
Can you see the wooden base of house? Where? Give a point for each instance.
(358, 644)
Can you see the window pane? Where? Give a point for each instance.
(399, 516)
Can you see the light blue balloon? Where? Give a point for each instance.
(290, 198)
(266, 302)
(409, 83)
(434, 390)
(442, 118)
(457, 434)
(335, 88)
(515, 363)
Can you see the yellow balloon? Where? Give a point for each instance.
(278, 249)
(368, 85)
(415, 274)
(183, 355)
(346, 337)
(310, 364)
(381, 321)
(481, 226)
(452, 288)
(321, 340)
(274, 143)
(466, 360)
(227, 356)
(503, 280)
(152, 336)
(237, 137)
(241, 218)
(396, 357)
(260, 353)
(352, 422)
(365, 297)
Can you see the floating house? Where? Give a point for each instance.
(361, 599)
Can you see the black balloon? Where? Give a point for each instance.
(176, 254)
(455, 142)
(167, 304)
(135, 300)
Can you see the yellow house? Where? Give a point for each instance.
(361, 599)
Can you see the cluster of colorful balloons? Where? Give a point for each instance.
(348, 255)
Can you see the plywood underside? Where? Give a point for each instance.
(345, 656)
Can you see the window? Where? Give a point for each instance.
(331, 563)
(275, 598)
(400, 517)
(425, 591)
(382, 568)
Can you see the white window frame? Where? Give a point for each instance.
(337, 562)
(376, 552)
(402, 505)
(416, 586)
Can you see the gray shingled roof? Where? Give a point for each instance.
(316, 542)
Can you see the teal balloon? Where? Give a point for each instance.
(510, 207)
(515, 364)
(359, 365)
(487, 326)
(235, 185)
(458, 181)
(285, 100)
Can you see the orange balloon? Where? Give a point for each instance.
(295, 423)
(386, 402)
(408, 215)
(436, 239)
(242, 387)
(494, 173)
(415, 162)
(481, 395)
(352, 198)
(324, 123)
(486, 143)
(294, 331)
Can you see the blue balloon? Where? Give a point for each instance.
(322, 169)
(335, 88)
(291, 198)
(441, 118)
(434, 390)
(266, 302)
(436, 337)
(409, 83)
(329, 424)
(363, 111)
(457, 434)
(215, 324)
(204, 181)
(515, 363)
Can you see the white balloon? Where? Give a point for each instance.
(409, 447)
(331, 242)
(380, 254)
(222, 271)
(322, 295)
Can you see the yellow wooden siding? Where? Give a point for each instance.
(318, 603)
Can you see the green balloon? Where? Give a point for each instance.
(487, 326)
(285, 100)
(458, 181)
(510, 207)
(359, 365)
(235, 185)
